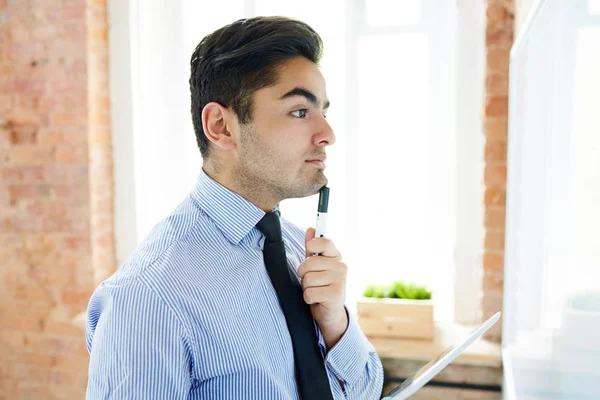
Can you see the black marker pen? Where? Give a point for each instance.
(322, 213)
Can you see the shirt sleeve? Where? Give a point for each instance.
(355, 363)
(138, 348)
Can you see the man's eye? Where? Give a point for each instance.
(300, 113)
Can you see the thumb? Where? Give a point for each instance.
(310, 235)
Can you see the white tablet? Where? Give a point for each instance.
(432, 368)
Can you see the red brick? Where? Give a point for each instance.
(53, 344)
(71, 154)
(495, 197)
(27, 191)
(495, 176)
(68, 85)
(20, 115)
(499, 36)
(71, 12)
(27, 309)
(30, 101)
(496, 129)
(24, 135)
(51, 275)
(19, 224)
(493, 261)
(43, 32)
(54, 360)
(24, 86)
(494, 240)
(11, 320)
(78, 67)
(31, 293)
(77, 243)
(30, 154)
(76, 137)
(496, 84)
(75, 297)
(68, 392)
(19, 133)
(493, 282)
(498, 60)
(12, 339)
(23, 174)
(496, 12)
(494, 219)
(48, 209)
(63, 328)
(495, 152)
(496, 106)
(64, 119)
(5, 103)
(73, 174)
(50, 137)
(63, 225)
(75, 193)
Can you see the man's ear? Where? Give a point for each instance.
(216, 123)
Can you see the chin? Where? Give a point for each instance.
(319, 181)
(307, 188)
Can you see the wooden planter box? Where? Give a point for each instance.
(396, 318)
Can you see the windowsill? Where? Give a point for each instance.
(482, 352)
(476, 373)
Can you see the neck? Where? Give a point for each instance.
(247, 188)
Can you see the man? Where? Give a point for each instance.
(225, 300)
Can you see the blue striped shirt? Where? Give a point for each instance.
(193, 314)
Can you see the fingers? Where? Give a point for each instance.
(322, 246)
(323, 294)
(320, 278)
(308, 236)
(316, 264)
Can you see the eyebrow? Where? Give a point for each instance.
(298, 91)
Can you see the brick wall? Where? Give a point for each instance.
(499, 39)
(56, 190)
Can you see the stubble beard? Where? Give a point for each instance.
(261, 171)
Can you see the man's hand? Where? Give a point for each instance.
(324, 285)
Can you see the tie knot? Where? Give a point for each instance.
(270, 226)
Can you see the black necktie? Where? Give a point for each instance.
(310, 368)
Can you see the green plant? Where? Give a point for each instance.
(398, 290)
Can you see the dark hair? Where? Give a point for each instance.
(235, 61)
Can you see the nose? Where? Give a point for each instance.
(325, 135)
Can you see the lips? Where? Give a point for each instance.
(321, 158)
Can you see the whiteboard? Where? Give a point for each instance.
(552, 254)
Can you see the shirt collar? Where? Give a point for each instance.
(234, 215)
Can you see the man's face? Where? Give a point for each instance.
(279, 151)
